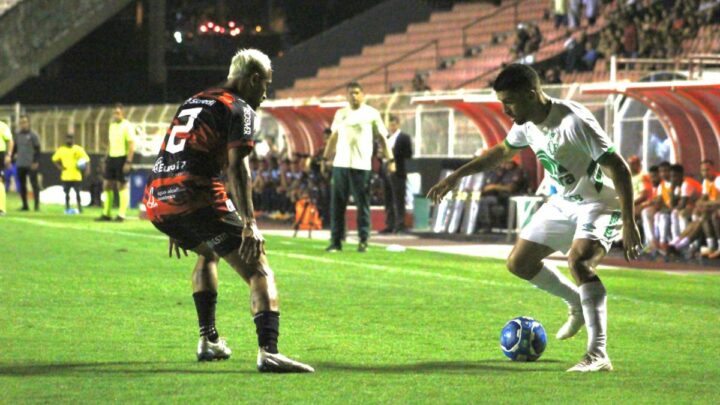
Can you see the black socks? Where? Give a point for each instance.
(267, 325)
(205, 302)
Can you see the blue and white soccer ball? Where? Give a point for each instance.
(523, 339)
(82, 164)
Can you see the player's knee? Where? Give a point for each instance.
(579, 262)
(518, 265)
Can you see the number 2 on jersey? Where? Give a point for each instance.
(191, 113)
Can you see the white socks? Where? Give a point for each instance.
(594, 305)
(551, 280)
(662, 223)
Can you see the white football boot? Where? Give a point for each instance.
(277, 363)
(209, 351)
(592, 362)
(573, 324)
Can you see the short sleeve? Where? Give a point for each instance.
(594, 139)
(516, 138)
(242, 126)
(337, 120)
(56, 156)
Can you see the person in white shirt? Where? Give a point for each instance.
(594, 202)
(355, 128)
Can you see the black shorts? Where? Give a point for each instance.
(2, 165)
(221, 231)
(67, 185)
(114, 168)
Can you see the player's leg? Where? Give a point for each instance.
(109, 194)
(340, 191)
(389, 203)
(3, 200)
(77, 187)
(399, 184)
(22, 173)
(204, 284)
(360, 188)
(583, 258)
(66, 189)
(33, 174)
(124, 196)
(265, 310)
(648, 224)
(548, 231)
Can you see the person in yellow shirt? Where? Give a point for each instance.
(73, 161)
(121, 147)
(6, 147)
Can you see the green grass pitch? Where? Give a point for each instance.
(97, 313)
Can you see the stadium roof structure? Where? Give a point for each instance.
(487, 113)
(689, 112)
(303, 123)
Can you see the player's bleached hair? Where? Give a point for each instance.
(248, 61)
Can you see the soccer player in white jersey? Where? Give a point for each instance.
(592, 206)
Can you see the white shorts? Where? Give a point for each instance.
(559, 222)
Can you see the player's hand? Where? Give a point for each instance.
(324, 167)
(439, 190)
(34, 166)
(632, 244)
(253, 243)
(175, 245)
(126, 168)
(391, 167)
(7, 162)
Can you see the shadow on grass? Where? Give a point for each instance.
(119, 367)
(452, 367)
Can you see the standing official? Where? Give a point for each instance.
(27, 157)
(354, 131)
(396, 183)
(121, 147)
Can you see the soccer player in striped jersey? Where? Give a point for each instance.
(594, 203)
(186, 198)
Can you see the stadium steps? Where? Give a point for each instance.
(34, 32)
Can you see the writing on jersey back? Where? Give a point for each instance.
(188, 172)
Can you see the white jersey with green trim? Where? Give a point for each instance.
(568, 144)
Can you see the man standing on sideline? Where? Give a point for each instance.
(200, 175)
(396, 183)
(72, 161)
(121, 147)
(6, 147)
(27, 161)
(593, 204)
(355, 129)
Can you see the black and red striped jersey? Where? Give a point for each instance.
(187, 174)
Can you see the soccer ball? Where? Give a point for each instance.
(82, 164)
(523, 339)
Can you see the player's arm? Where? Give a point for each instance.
(36, 152)
(487, 160)
(619, 172)
(330, 147)
(56, 159)
(240, 187)
(8, 156)
(130, 151)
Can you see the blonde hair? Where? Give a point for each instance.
(246, 61)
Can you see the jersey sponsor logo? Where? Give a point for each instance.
(161, 167)
(588, 227)
(247, 121)
(217, 240)
(558, 173)
(208, 103)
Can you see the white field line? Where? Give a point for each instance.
(364, 266)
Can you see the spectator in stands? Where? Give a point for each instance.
(355, 129)
(590, 57)
(73, 162)
(27, 159)
(573, 14)
(534, 39)
(559, 12)
(685, 192)
(630, 38)
(507, 180)
(642, 187)
(395, 184)
(419, 83)
(120, 151)
(552, 76)
(592, 10)
(574, 52)
(6, 147)
(522, 36)
(709, 208)
(647, 210)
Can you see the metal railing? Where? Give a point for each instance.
(385, 67)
